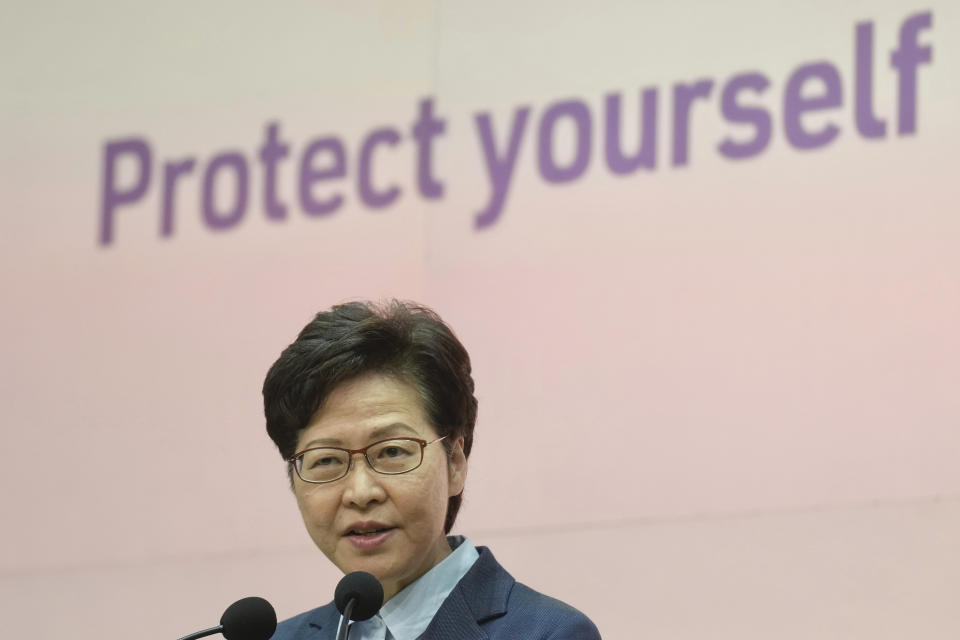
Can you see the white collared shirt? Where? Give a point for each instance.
(407, 614)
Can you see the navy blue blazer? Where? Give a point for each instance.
(487, 604)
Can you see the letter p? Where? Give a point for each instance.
(113, 196)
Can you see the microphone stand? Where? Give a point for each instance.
(345, 618)
(205, 632)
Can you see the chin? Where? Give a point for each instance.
(381, 567)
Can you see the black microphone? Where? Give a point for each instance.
(358, 597)
(251, 618)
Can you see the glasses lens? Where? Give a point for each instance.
(323, 465)
(395, 456)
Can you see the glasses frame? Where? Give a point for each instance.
(292, 460)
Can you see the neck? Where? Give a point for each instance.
(440, 551)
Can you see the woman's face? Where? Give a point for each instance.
(406, 512)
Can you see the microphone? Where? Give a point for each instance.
(250, 618)
(358, 596)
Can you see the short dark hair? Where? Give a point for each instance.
(397, 338)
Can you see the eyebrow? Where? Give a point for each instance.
(380, 432)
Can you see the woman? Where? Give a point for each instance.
(373, 408)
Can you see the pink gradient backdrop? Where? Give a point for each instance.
(739, 378)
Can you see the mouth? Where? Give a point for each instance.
(369, 537)
(368, 533)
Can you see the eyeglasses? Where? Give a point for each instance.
(390, 457)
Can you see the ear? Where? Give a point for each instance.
(456, 468)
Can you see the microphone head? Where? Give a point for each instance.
(251, 618)
(362, 587)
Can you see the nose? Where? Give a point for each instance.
(362, 484)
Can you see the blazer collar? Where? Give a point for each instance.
(486, 587)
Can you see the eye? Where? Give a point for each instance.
(322, 459)
(395, 450)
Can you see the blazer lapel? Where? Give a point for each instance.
(321, 624)
(480, 596)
